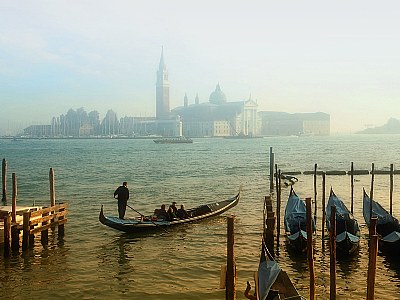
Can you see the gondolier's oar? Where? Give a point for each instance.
(149, 220)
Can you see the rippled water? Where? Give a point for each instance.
(97, 262)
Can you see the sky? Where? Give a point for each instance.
(338, 57)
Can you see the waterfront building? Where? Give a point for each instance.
(162, 90)
(218, 117)
(284, 124)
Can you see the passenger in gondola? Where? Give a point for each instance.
(171, 214)
(182, 213)
(161, 213)
(173, 207)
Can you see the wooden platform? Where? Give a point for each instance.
(7, 209)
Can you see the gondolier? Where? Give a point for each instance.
(122, 194)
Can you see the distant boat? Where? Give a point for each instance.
(387, 226)
(175, 140)
(242, 136)
(347, 228)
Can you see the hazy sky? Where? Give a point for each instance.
(338, 57)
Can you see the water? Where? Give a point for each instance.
(97, 262)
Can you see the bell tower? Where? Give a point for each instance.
(162, 90)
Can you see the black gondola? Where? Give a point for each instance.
(296, 223)
(145, 224)
(271, 281)
(387, 226)
(347, 228)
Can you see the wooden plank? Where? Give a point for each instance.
(52, 209)
(40, 228)
(41, 220)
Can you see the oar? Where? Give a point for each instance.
(149, 220)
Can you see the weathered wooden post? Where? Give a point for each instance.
(391, 188)
(4, 180)
(231, 266)
(14, 198)
(278, 206)
(52, 191)
(315, 193)
(323, 207)
(7, 235)
(271, 169)
(332, 249)
(26, 230)
(310, 250)
(371, 195)
(372, 226)
(61, 220)
(14, 228)
(352, 186)
(269, 229)
(373, 252)
(44, 235)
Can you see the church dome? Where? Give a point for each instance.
(218, 96)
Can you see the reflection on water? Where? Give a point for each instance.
(97, 262)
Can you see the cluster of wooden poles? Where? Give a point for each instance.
(35, 219)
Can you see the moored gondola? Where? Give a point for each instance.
(387, 226)
(347, 228)
(295, 223)
(271, 281)
(145, 224)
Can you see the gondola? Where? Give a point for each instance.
(271, 281)
(295, 223)
(387, 226)
(347, 228)
(146, 224)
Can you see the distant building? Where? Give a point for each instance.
(162, 90)
(38, 131)
(281, 123)
(218, 118)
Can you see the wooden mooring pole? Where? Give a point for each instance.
(4, 180)
(271, 169)
(391, 188)
(310, 250)
(52, 191)
(269, 228)
(7, 235)
(352, 186)
(323, 207)
(278, 206)
(315, 193)
(332, 249)
(371, 194)
(230, 291)
(14, 228)
(373, 252)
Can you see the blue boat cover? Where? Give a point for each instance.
(377, 211)
(296, 235)
(268, 271)
(392, 237)
(342, 236)
(342, 211)
(295, 214)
